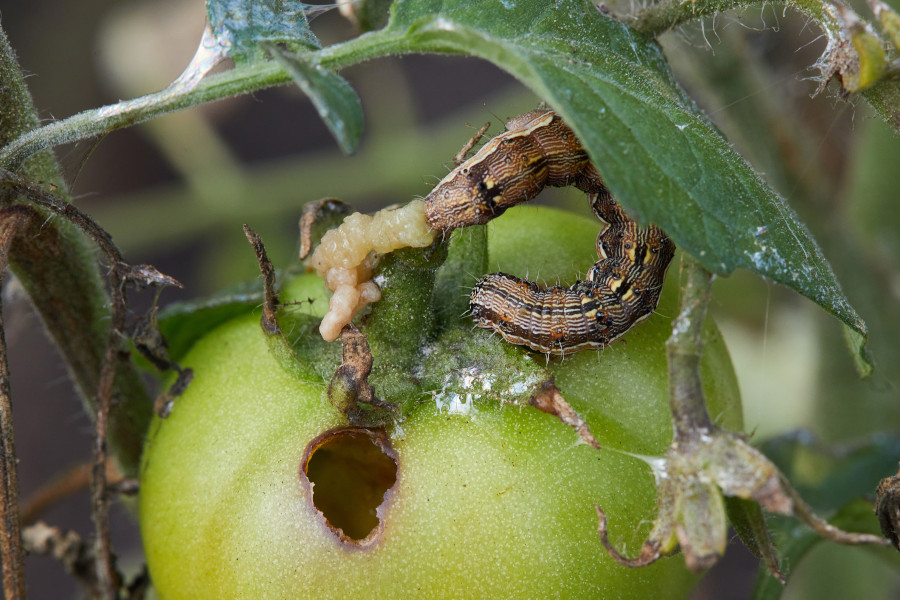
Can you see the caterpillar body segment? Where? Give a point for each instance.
(622, 287)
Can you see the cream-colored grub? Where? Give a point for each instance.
(347, 255)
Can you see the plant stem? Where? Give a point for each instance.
(241, 79)
(684, 349)
(56, 265)
(403, 319)
(269, 320)
(11, 554)
(107, 577)
(73, 480)
(661, 17)
(244, 78)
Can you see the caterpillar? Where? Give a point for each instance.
(622, 287)
(536, 151)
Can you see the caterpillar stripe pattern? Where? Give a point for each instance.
(621, 289)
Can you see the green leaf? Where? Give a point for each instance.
(372, 14)
(795, 540)
(247, 24)
(833, 479)
(659, 154)
(749, 522)
(830, 476)
(334, 99)
(183, 323)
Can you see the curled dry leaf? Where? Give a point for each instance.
(887, 507)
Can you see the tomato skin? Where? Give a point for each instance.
(490, 502)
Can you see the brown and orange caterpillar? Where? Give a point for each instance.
(536, 151)
(622, 288)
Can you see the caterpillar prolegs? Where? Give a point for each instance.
(621, 289)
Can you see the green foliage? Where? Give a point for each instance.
(612, 85)
(247, 24)
(661, 156)
(614, 88)
(337, 103)
(834, 481)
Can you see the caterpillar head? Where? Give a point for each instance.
(467, 196)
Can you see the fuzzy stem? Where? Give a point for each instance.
(246, 78)
(661, 17)
(884, 97)
(403, 319)
(684, 349)
(658, 18)
(242, 79)
(102, 120)
(11, 554)
(57, 267)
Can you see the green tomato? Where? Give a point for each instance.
(484, 501)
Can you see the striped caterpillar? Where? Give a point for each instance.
(621, 289)
(536, 151)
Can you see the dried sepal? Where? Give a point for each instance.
(872, 62)
(146, 276)
(318, 217)
(549, 400)
(700, 524)
(887, 508)
(662, 540)
(694, 478)
(855, 53)
(888, 19)
(742, 471)
(349, 389)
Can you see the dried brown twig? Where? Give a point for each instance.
(269, 319)
(11, 554)
(68, 548)
(53, 260)
(77, 557)
(121, 274)
(62, 486)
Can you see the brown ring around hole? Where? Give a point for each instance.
(350, 474)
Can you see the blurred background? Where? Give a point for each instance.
(175, 193)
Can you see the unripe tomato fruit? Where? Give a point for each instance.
(488, 501)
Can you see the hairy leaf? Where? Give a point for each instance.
(248, 23)
(659, 154)
(334, 99)
(183, 323)
(834, 479)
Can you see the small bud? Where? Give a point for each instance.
(871, 62)
(701, 525)
(889, 19)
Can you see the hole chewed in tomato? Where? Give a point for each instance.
(351, 472)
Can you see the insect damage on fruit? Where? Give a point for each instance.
(351, 472)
